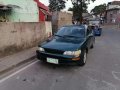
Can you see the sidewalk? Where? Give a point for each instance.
(9, 62)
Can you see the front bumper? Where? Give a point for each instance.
(62, 59)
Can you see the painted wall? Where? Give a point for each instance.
(27, 13)
(48, 28)
(19, 36)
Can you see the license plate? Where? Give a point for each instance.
(52, 60)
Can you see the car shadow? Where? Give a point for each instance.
(61, 66)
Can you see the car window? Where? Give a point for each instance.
(89, 31)
(71, 31)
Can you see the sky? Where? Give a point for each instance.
(90, 7)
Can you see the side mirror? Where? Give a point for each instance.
(49, 38)
(90, 35)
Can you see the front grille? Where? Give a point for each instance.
(54, 51)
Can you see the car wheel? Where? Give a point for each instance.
(83, 58)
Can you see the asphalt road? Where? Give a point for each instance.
(101, 72)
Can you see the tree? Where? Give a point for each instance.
(80, 5)
(75, 9)
(70, 9)
(99, 9)
(56, 5)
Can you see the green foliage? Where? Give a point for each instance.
(75, 8)
(99, 9)
(70, 9)
(56, 5)
(74, 2)
(79, 7)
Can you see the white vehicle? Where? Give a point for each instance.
(95, 22)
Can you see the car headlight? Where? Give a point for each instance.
(73, 53)
(41, 49)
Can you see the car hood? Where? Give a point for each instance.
(64, 44)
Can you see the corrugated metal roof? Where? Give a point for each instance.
(113, 9)
(45, 12)
(4, 7)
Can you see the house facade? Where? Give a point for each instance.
(21, 10)
(44, 13)
(113, 12)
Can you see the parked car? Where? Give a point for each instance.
(97, 30)
(69, 45)
(95, 24)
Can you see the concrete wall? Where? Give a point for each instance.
(48, 28)
(112, 16)
(18, 36)
(28, 11)
(60, 19)
(64, 18)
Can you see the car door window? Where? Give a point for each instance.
(88, 31)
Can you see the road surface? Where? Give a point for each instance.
(101, 72)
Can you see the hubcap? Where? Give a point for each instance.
(85, 57)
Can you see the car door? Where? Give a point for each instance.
(92, 36)
(89, 37)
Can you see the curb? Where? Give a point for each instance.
(18, 64)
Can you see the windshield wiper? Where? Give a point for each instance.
(58, 35)
(71, 36)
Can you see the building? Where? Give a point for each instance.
(113, 12)
(114, 4)
(87, 16)
(44, 14)
(19, 10)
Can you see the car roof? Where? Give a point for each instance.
(74, 26)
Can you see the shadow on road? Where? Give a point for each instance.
(58, 67)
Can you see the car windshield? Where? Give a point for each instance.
(76, 32)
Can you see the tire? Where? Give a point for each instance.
(83, 58)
